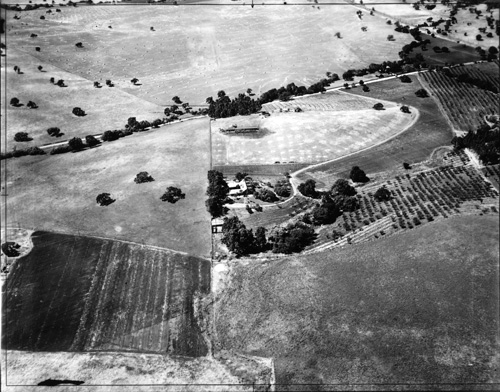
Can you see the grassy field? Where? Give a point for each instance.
(106, 107)
(317, 135)
(191, 56)
(75, 293)
(418, 308)
(58, 192)
(414, 145)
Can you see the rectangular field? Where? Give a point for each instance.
(76, 293)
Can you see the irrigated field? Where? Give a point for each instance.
(332, 126)
(58, 192)
(76, 293)
(465, 105)
(418, 308)
(414, 145)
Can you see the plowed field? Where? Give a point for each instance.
(80, 293)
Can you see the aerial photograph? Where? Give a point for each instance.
(250, 195)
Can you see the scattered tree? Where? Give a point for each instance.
(422, 93)
(378, 106)
(405, 109)
(79, 45)
(358, 175)
(177, 100)
(405, 79)
(22, 137)
(52, 80)
(134, 80)
(54, 131)
(143, 177)
(78, 112)
(60, 83)
(40, 68)
(173, 195)
(406, 166)
(14, 101)
(32, 105)
(104, 199)
(97, 85)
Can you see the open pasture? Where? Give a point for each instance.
(465, 105)
(106, 108)
(196, 51)
(414, 145)
(417, 308)
(75, 293)
(308, 137)
(58, 192)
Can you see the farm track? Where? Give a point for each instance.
(127, 297)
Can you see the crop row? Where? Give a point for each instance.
(416, 199)
(493, 174)
(477, 73)
(465, 105)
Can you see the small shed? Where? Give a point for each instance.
(217, 225)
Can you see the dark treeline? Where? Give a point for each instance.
(244, 104)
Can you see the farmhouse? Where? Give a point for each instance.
(237, 188)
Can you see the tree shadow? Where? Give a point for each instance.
(17, 105)
(137, 84)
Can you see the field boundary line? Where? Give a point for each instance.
(118, 240)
